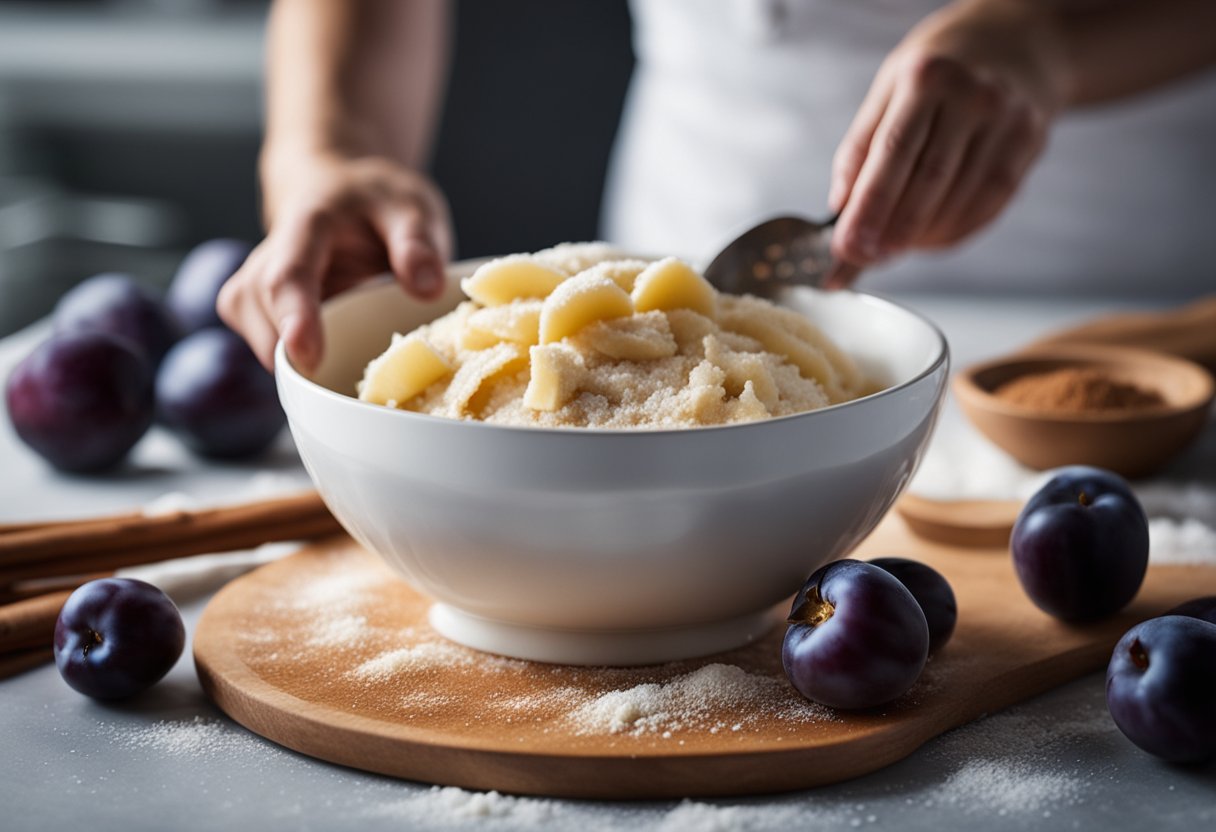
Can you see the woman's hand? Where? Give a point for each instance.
(950, 126)
(334, 222)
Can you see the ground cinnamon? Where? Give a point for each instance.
(1077, 390)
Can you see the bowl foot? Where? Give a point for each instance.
(618, 648)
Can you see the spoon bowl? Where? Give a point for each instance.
(780, 252)
(1132, 443)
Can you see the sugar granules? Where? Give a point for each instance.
(1018, 765)
(691, 701)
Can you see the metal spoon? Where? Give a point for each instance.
(780, 252)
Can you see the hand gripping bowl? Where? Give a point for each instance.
(611, 547)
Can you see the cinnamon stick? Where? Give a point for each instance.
(30, 623)
(107, 543)
(119, 555)
(11, 528)
(20, 661)
(32, 587)
(1187, 332)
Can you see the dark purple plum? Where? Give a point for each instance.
(1161, 687)
(857, 637)
(1202, 608)
(213, 394)
(195, 287)
(116, 304)
(116, 637)
(932, 591)
(81, 400)
(1080, 545)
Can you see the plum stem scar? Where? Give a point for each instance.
(813, 610)
(94, 637)
(1138, 655)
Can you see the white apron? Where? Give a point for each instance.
(736, 107)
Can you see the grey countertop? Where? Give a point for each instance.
(171, 760)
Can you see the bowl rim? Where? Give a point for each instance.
(286, 372)
(971, 393)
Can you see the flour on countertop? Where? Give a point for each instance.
(192, 739)
(1006, 788)
(1181, 541)
(453, 808)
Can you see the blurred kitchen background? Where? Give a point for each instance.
(129, 132)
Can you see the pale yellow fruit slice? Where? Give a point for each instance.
(507, 278)
(637, 338)
(672, 284)
(851, 378)
(810, 361)
(470, 385)
(623, 273)
(557, 373)
(581, 300)
(478, 339)
(518, 322)
(405, 369)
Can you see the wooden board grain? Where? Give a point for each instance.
(294, 670)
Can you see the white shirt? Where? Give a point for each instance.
(737, 106)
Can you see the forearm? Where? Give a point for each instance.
(1121, 48)
(1117, 48)
(352, 78)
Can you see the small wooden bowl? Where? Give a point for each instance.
(1132, 443)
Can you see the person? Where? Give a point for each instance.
(736, 112)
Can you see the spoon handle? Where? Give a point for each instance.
(1187, 332)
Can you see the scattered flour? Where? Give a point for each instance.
(339, 594)
(689, 701)
(428, 655)
(413, 658)
(961, 464)
(453, 808)
(1007, 788)
(339, 631)
(441, 807)
(198, 738)
(1181, 541)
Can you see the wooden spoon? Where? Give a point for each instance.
(969, 524)
(1188, 332)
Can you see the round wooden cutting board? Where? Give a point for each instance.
(327, 653)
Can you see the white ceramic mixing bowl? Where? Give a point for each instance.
(612, 547)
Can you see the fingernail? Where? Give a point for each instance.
(302, 353)
(426, 280)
